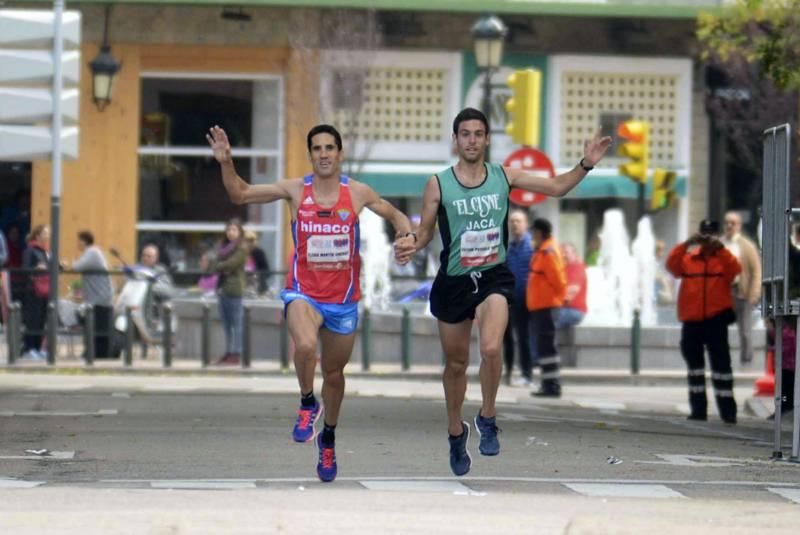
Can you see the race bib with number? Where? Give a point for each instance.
(480, 247)
(328, 252)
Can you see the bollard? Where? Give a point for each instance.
(52, 333)
(128, 337)
(636, 336)
(13, 332)
(284, 344)
(205, 336)
(406, 339)
(167, 326)
(88, 335)
(777, 452)
(796, 424)
(246, 338)
(366, 340)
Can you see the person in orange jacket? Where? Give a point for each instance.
(705, 307)
(545, 293)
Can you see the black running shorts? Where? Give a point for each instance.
(455, 298)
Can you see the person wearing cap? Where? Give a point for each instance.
(705, 307)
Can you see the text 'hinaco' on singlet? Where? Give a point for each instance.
(326, 265)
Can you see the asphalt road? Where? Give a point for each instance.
(128, 461)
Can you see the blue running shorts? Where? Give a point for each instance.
(340, 318)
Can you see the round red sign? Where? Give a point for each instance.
(533, 160)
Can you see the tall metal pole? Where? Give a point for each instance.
(487, 108)
(55, 194)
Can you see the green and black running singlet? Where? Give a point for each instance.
(473, 221)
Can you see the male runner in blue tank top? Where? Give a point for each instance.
(470, 202)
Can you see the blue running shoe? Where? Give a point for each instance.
(326, 467)
(304, 426)
(460, 460)
(487, 429)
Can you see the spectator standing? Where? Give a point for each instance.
(3, 250)
(37, 289)
(747, 286)
(518, 260)
(705, 307)
(574, 308)
(96, 289)
(257, 262)
(229, 266)
(546, 290)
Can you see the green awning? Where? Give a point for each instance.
(686, 9)
(592, 187)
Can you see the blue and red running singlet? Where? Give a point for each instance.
(326, 264)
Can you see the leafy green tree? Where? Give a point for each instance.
(763, 32)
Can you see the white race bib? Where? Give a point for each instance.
(480, 247)
(329, 252)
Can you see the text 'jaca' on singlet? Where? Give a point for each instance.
(326, 265)
(473, 221)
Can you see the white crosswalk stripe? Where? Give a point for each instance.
(623, 490)
(789, 494)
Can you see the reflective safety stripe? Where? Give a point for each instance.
(697, 389)
(550, 360)
(697, 372)
(722, 376)
(551, 375)
(724, 393)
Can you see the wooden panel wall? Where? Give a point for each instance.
(100, 188)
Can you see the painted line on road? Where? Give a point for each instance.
(169, 388)
(415, 486)
(204, 484)
(101, 412)
(618, 490)
(52, 456)
(499, 479)
(60, 387)
(11, 483)
(789, 494)
(599, 404)
(702, 461)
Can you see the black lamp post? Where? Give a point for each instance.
(104, 69)
(489, 35)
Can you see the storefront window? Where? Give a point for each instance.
(182, 202)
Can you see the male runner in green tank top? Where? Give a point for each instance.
(470, 202)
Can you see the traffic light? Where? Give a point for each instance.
(637, 134)
(524, 107)
(663, 194)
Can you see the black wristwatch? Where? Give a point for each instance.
(586, 168)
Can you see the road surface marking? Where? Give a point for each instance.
(203, 484)
(702, 461)
(789, 494)
(11, 483)
(416, 486)
(101, 412)
(53, 456)
(605, 490)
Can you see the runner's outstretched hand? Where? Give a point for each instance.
(218, 141)
(594, 149)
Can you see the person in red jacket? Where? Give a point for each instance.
(705, 307)
(547, 288)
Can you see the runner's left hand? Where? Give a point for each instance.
(404, 249)
(595, 148)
